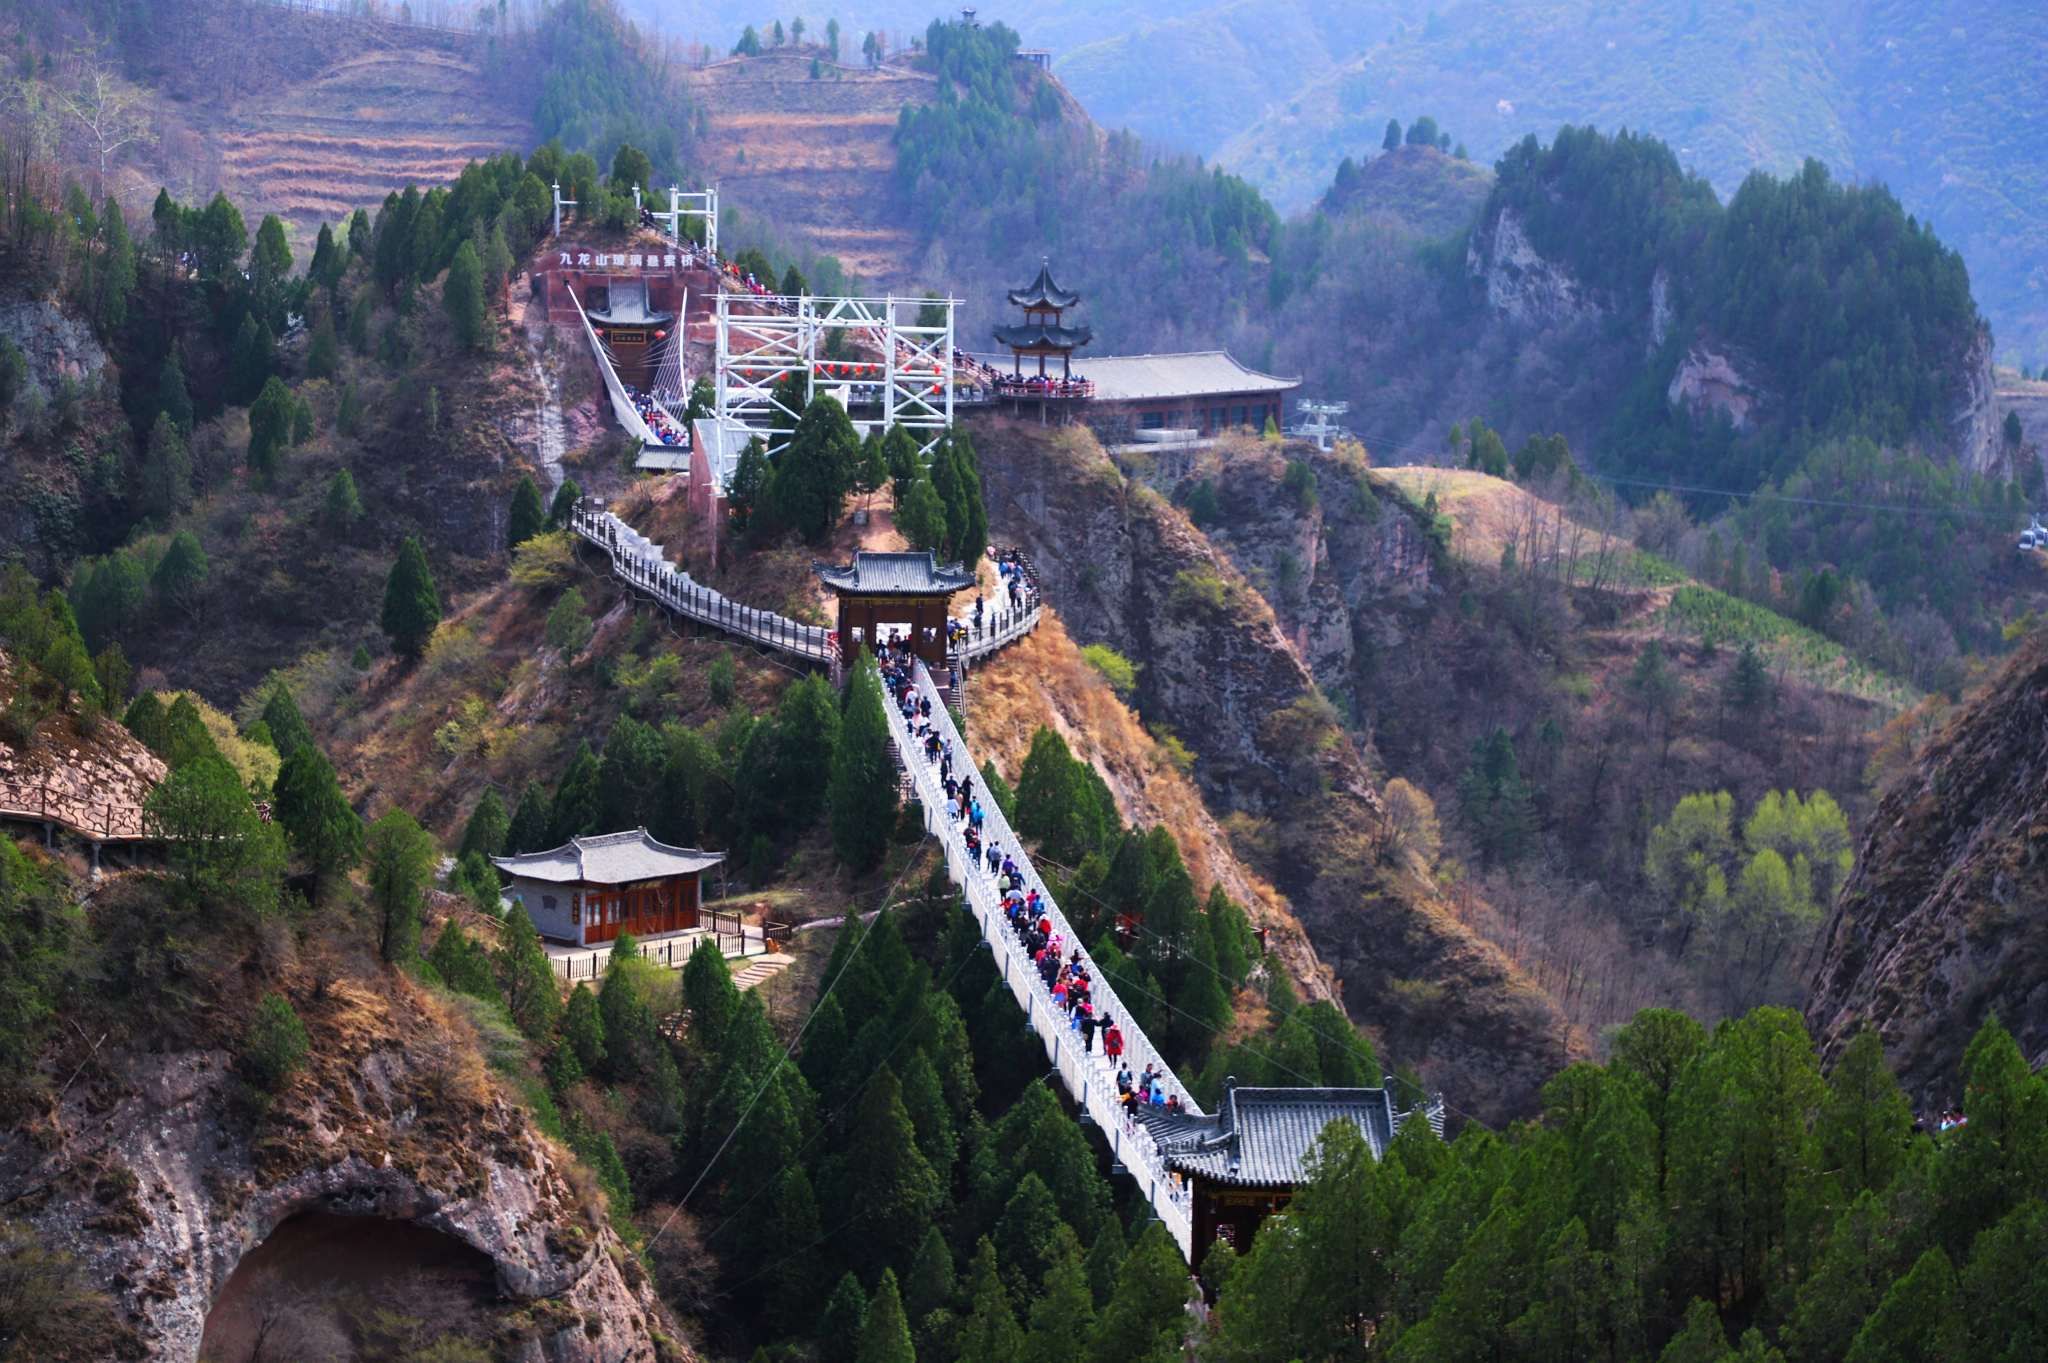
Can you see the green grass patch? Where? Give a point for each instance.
(1724, 621)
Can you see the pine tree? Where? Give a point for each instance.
(990, 1332)
(564, 505)
(270, 428)
(181, 574)
(930, 1285)
(629, 776)
(532, 823)
(921, 516)
(815, 470)
(863, 786)
(792, 1227)
(574, 810)
(839, 1329)
(1498, 804)
(709, 994)
(315, 816)
(894, 1190)
(343, 507)
(1026, 1236)
(172, 396)
(412, 606)
(1143, 1322)
(528, 978)
(462, 296)
(1748, 690)
(583, 1030)
(463, 965)
(288, 728)
(1063, 1316)
(1865, 1126)
(165, 484)
(486, 829)
(885, 1333)
(674, 818)
(348, 418)
(323, 357)
(401, 865)
(527, 518)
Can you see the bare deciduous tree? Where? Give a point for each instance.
(107, 112)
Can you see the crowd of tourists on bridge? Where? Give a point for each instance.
(1068, 974)
(658, 421)
(1044, 386)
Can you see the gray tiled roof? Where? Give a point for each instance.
(628, 306)
(609, 859)
(1025, 335)
(912, 574)
(1143, 378)
(1260, 1136)
(1042, 292)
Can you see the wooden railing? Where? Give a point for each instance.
(100, 820)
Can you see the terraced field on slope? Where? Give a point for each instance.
(815, 157)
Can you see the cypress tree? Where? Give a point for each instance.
(485, 831)
(412, 605)
(815, 469)
(348, 418)
(165, 483)
(709, 994)
(181, 574)
(1865, 1125)
(793, 1229)
(288, 728)
(270, 427)
(343, 507)
(583, 1030)
(564, 505)
(309, 806)
(462, 296)
(531, 823)
(527, 977)
(324, 356)
(629, 777)
(462, 965)
(1143, 1321)
(527, 518)
(894, 1191)
(674, 818)
(145, 720)
(885, 1334)
(930, 1285)
(990, 1333)
(1063, 1316)
(401, 864)
(863, 786)
(1025, 1237)
(575, 808)
(839, 1329)
(921, 516)
(807, 722)
(172, 396)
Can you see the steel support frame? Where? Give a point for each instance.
(692, 204)
(755, 351)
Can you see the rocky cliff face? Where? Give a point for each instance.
(1976, 440)
(1945, 921)
(159, 1170)
(1520, 282)
(1127, 569)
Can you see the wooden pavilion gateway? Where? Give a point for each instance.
(1244, 1162)
(909, 590)
(589, 890)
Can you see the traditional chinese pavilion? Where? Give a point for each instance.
(589, 890)
(633, 329)
(905, 594)
(1244, 1161)
(1044, 331)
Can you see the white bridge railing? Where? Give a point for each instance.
(1091, 1079)
(638, 560)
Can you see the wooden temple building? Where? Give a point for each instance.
(902, 594)
(1244, 1161)
(589, 890)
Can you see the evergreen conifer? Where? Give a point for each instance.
(839, 1329)
(486, 829)
(288, 728)
(412, 605)
(863, 786)
(583, 1029)
(885, 1332)
(574, 810)
(343, 507)
(462, 296)
(309, 806)
(526, 518)
(527, 977)
(532, 823)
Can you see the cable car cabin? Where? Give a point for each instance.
(1243, 1162)
(589, 890)
(636, 335)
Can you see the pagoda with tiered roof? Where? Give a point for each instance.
(1044, 331)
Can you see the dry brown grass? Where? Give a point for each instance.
(1043, 681)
